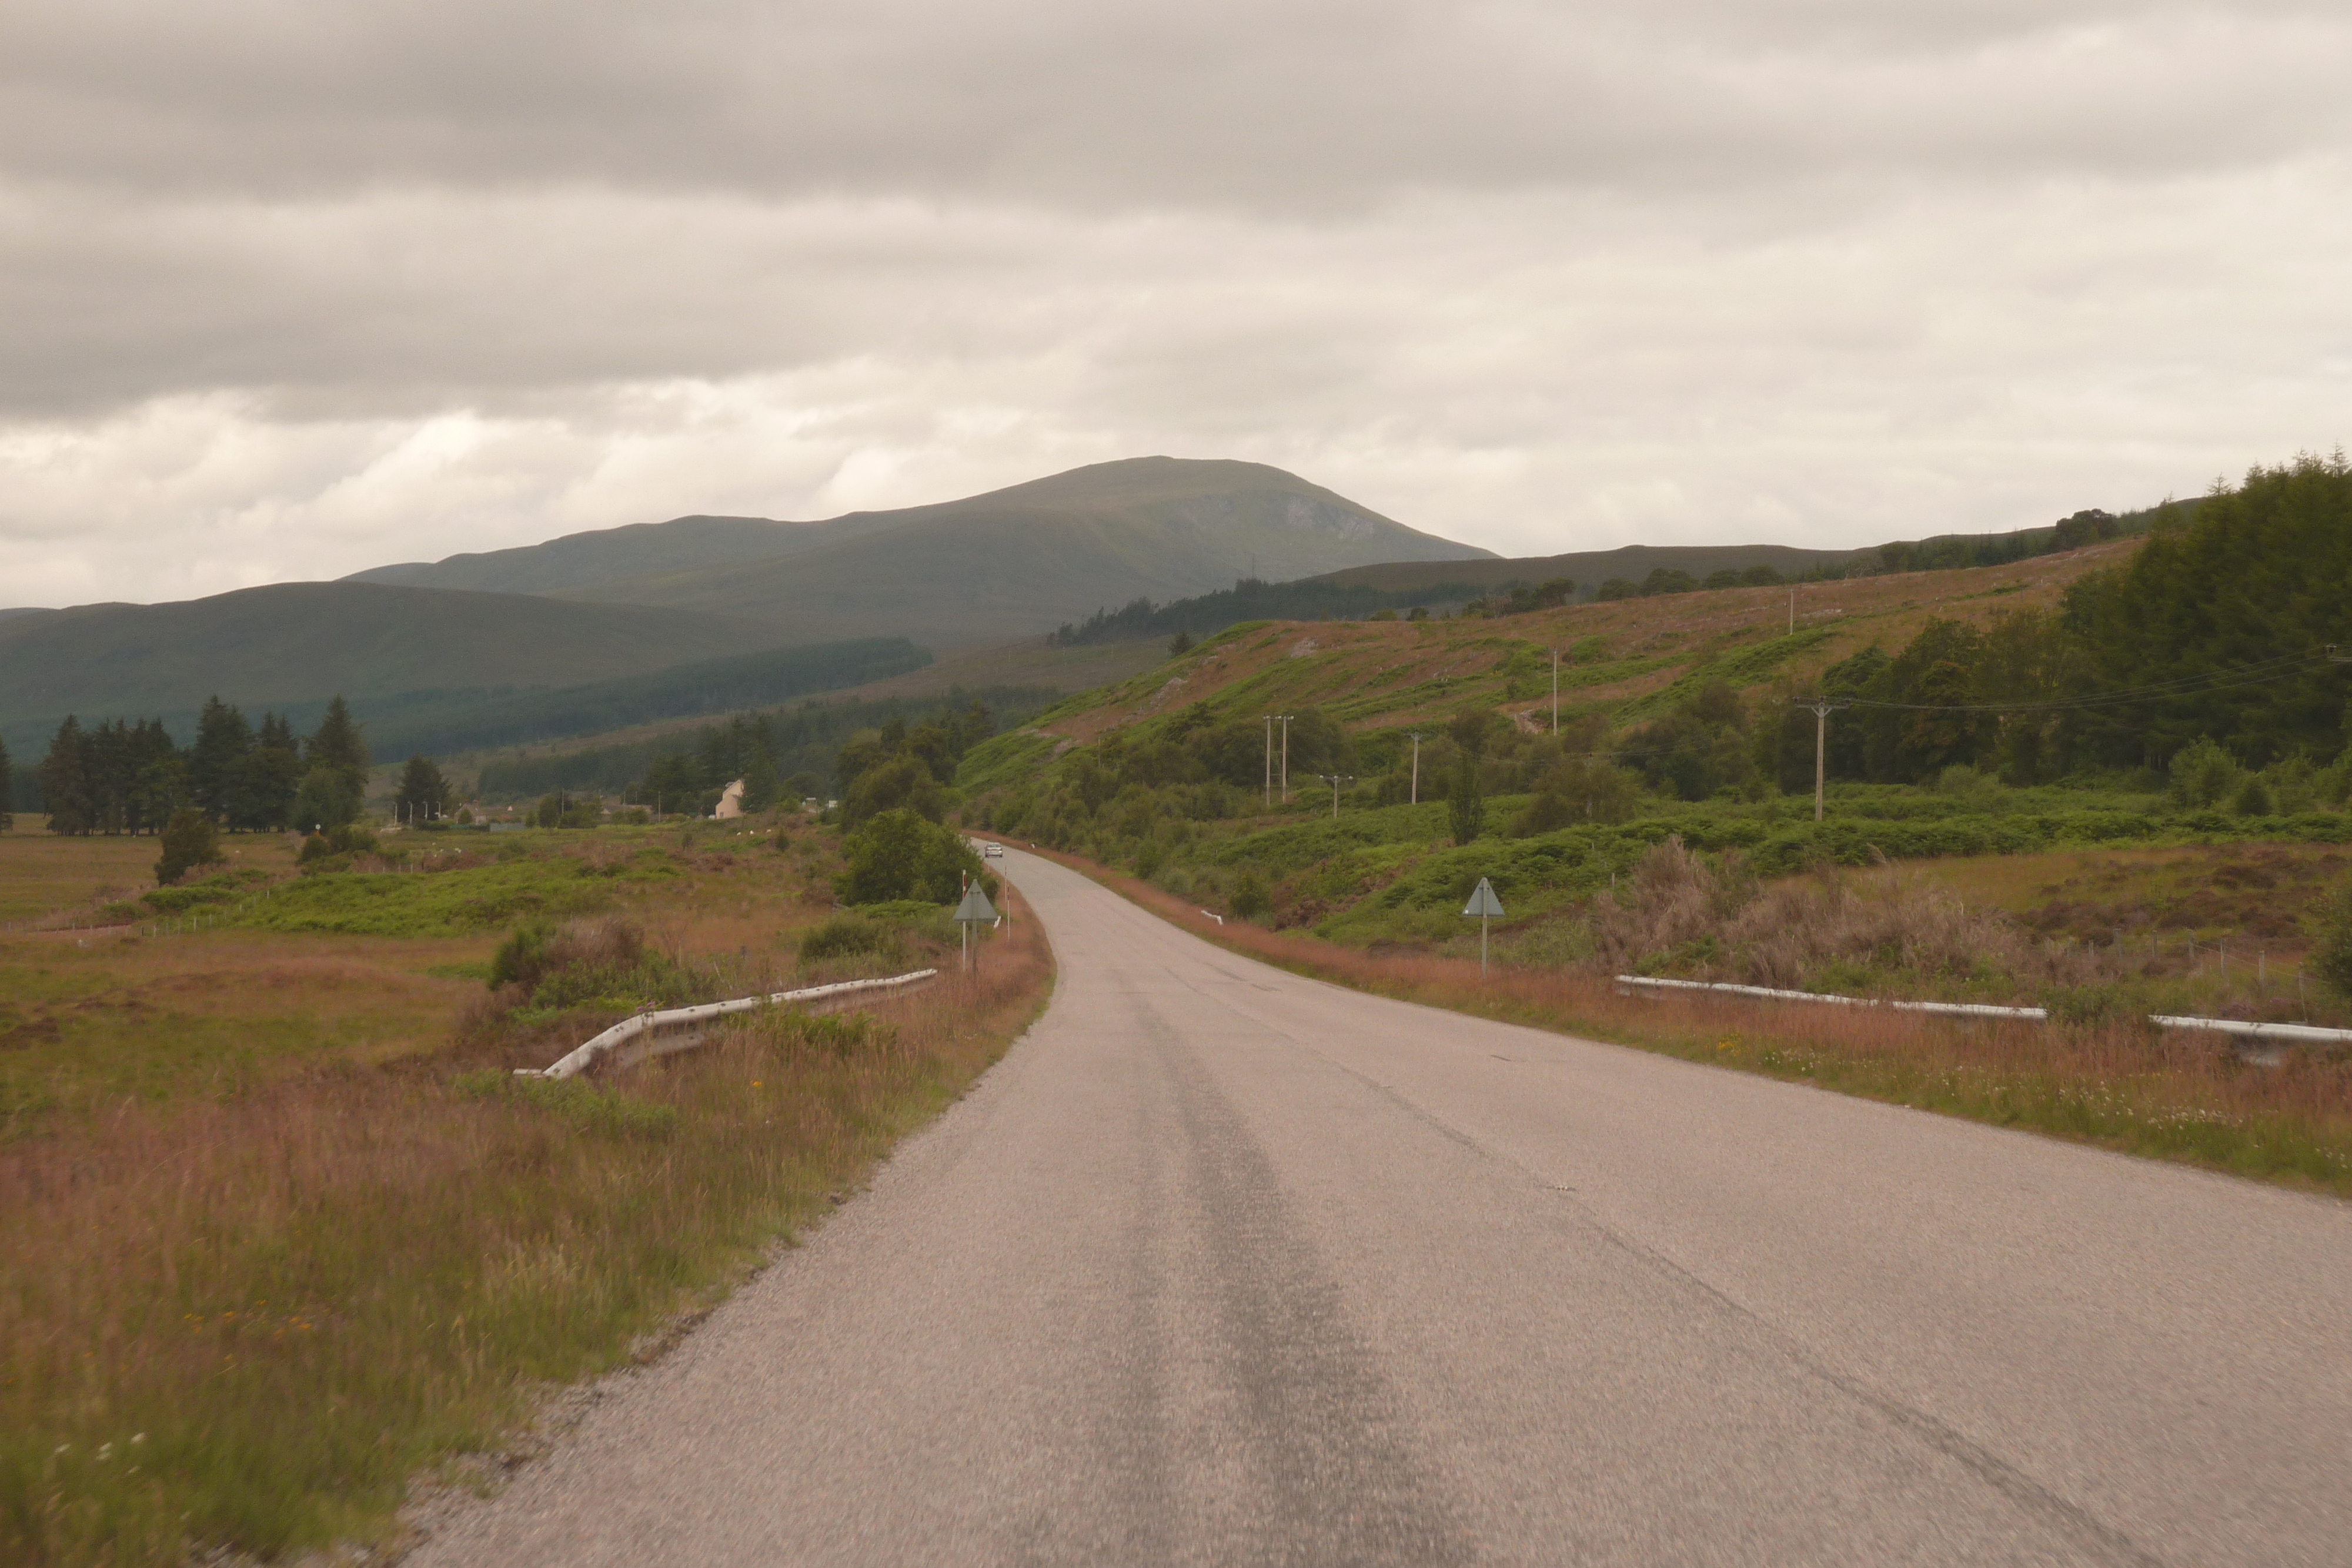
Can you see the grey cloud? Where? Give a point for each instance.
(1306, 105)
(306, 287)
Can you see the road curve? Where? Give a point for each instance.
(1223, 1266)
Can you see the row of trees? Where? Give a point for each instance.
(692, 780)
(899, 766)
(1253, 599)
(1958, 551)
(1666, 580)
(877, 769)
(123, 776)
(2215, 632)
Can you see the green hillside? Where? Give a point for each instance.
(472, 721)
(1635, 564)
(575, 561)
(295, 641)
(1022, 561)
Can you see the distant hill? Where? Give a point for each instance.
(441, 723)
(578, 560)
(297, 641)
(962, 574)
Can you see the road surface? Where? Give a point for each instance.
(1223, 1266)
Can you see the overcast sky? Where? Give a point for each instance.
(290, 288)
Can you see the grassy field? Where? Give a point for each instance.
(279, 1230)
(44, 878)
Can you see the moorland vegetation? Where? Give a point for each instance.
(283, 1235)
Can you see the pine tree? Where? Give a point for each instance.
(424, 793)
(223, 741)
(159, 778)
(761, 781)
(269, 777)
(65, 780)
(110, 775)
(339, 743)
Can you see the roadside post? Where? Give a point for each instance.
(1484, 906)
(975, 910)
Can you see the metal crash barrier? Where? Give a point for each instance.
(2284, 1032)
(678, 1028)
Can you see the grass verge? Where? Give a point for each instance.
(2120, 1086)
(245, 1323)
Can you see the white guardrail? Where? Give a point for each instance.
(676, 1029)
(1965, 1009)
(1977, 1010)
(2278, 1031)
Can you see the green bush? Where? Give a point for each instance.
(898, 854)
(847, 936)
(190, 840)
(1249, 899)
(521, 958)
(2203, 775)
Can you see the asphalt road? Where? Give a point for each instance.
(1221, 1266)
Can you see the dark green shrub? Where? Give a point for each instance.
(1249, 898)
(352, 839)
(899, 855)
(2203, 775)
(847, 936)
(521, 958)
(189, 841)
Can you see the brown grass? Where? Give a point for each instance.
(1788, 933)
(45, 876)
(246, 1322)
(2171, 1096)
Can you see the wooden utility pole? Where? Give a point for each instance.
(1822, 711)
(1416, 770)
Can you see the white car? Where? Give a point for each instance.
(992, 851)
